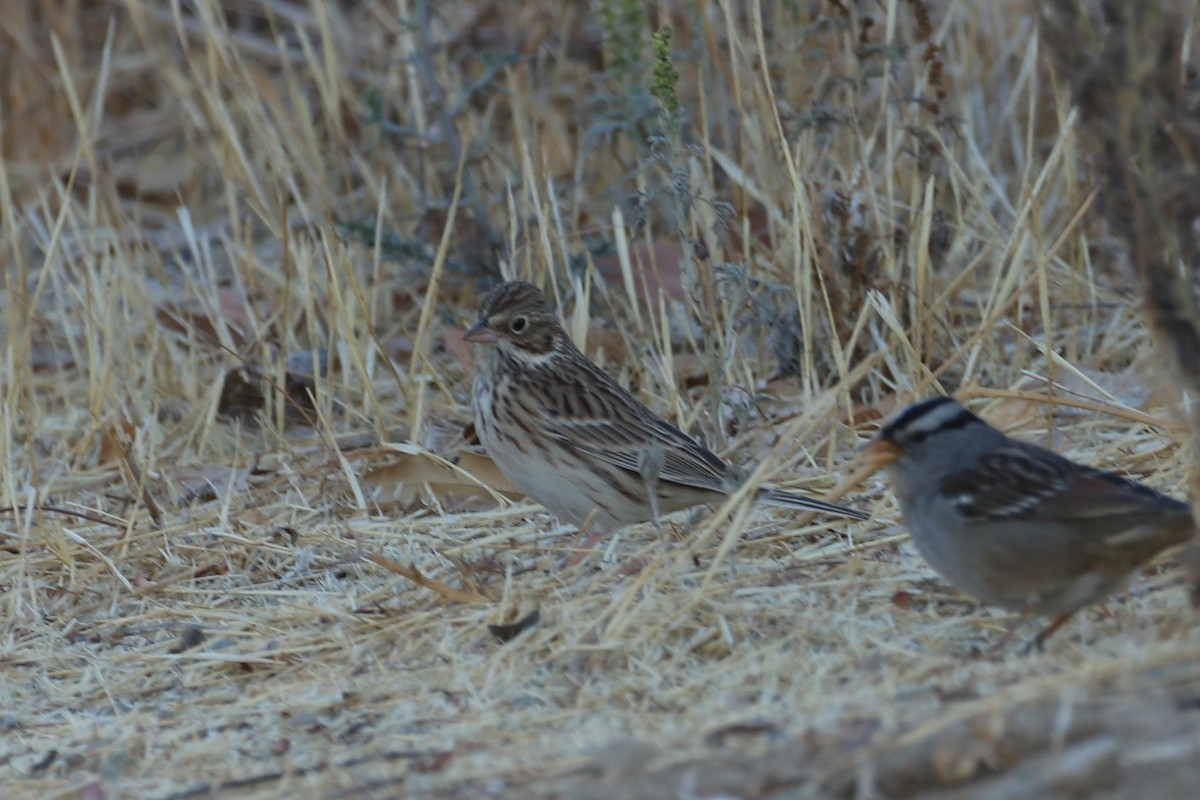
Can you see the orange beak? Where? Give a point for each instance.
(879, 453)
(480, 333)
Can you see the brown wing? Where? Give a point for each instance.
(1022, 481)
(599, 417)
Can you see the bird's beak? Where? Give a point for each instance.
(480, 333)
(879, 453)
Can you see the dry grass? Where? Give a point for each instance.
(244, 601)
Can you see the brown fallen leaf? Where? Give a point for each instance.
(462, 350)
(403, 480)
(116, 440)
(482, 467)
(655, 266)
(691, 370)
(507, 631)
(472, 244)
(881, 409)
(244, 392)
(195, 316)
(606, 341)
(241, 394)
(300, 382)
(408, 293)
(756, 221)
(399, 348)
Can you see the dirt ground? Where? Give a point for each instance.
(251, 547)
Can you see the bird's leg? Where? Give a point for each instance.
(1040, 640)
(999, 647)
(1037, 643)
(651, 461)
(585, 547)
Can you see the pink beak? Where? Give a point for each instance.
(878, 453)
(480, 333)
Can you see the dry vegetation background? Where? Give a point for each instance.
(251, 550)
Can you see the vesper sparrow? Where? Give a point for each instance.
(574, 440)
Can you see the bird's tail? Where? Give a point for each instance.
(778, 497)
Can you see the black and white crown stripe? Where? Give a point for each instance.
(919, 421)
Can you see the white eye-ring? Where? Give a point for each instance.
(518, 324)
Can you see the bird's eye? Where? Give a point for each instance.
(518, 324)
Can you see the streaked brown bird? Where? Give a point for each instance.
(570, 437)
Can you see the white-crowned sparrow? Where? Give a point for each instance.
(1014, 524)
